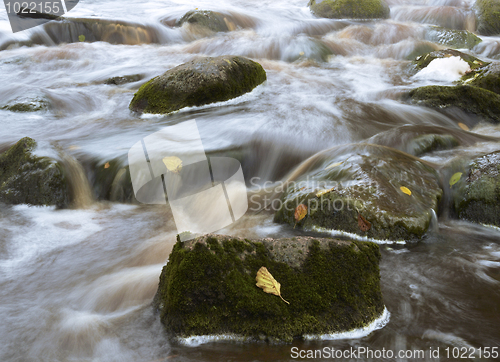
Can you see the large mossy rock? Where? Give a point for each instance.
(206, 18)
(208, 287)
(474, 101)
(488, 17)
(28, 179)
(477, 194)
(350, 9)
(424, 60)
(198, 82)
(341, 185)
(453, 38)
(487, 77)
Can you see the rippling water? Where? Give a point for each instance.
(76, 284)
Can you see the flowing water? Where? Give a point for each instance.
(76, 284)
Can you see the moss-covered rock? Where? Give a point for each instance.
(28, 179)
(487, 77)
(124, 79)
(453, 38)
(474, 101)
(339, 185)
(206, 18)
(423, 61)
(198, 82)
(34, 104)
(477, 194)
(208, 287)
(308, 49)
(488, 17)
(432, 142)
(350, 9)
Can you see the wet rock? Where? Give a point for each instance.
(28, 179)
(488, 17)
(350, 9)
(474, 101)
(309, 49)
(477, 194)
(340, 184)
(124, 79)
(208, 287)
(27, 105)
(212, 20)
(487, 77)
(453, 38)
(424, 60)
(432, 142)
(198, 82)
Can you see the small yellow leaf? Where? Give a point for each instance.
(300, 212)
(81, 37)
(455, 178)
(323, 192)
(333, 165)
(267, 282)
(406, 190)
(106, 165)
(173, 163)
(463, 126)
(301, 53)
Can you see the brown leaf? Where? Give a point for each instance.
(300, 212)
(267, 282)
(364, 225)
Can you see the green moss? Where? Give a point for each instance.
(32, 105)
(488, 17)
(432, 142)
(27, 179)
(197, 83)
(472, 100)
(487, 77)
(453, 38)
(208, 287)
(424, 60)
(350, 9)
(206, 18)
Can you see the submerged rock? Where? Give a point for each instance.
(211, 20)
(198, 82)
(474, 101)
(208, 287)
(27, 105)
(488, 17)
(28, 179)
(124, 79)
(345, 186)
(432, 142)
(350, 9)
(452, 38)
(477, 193)
(424, 60)
(487, 77)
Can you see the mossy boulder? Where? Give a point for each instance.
(124, 79)
(198, 82)
(24, 104)
(350, 9)
(474, 101)
(208, 287)
(212, 20)
(477, 193)
(28, 179)
(424, 60)
(488, 17)
(341, 185)
(453, 38)
(487, 77)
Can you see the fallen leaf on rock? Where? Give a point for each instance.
(463, 126)
(455, 178)
(364, 225)
(173, 163)
(300, 213)
(267, 282)
(322, 192)
(406, 190)
(106, 165)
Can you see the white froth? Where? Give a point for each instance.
(444, 69)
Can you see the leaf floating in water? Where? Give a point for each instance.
(455, 178)
(106, 165)
(364, 225)
(406, 190)
(266, 281)
(173, 163)
(463, 126)
(81, 37)
(333, 165)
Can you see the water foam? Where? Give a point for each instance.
(444, 69)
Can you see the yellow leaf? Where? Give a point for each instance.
(300, 212)
(455, 178)
(406, 190)
(323, 192)
(301, 53)
(266, 281)
(173, 163)
(106, 165)
(81, 37)
(334, 165)
(463, 126)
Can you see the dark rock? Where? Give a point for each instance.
(208, 287)
(206, 18)
(198, 82)
(28, 179)
(124, 79)
(488, 17)
(453, 38)
(350, 9)
(344, 182)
